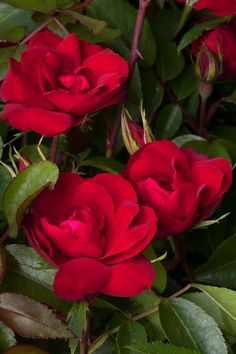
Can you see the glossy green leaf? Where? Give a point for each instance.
(25, 348)
(224, 321)
(185, 84)
(130, 333)
(168, 121)
(148, 301)
(120, 14)
(197, 30)
(30, 318)
(31, 152)
(31, 275)
(220, 270)
(94, 25)
(5, 179)
(104, 163)
(159, 348)
(186, 324)
(12, 17)
(78, 318)
(225, 299)
(7, 337)
(184, 139)
(45, 6)
(14, 34)
(23, 189)
(169, 63)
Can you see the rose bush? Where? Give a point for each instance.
(182, 186)
(59, 81)
(217, 7)
(220, 41)
(95, 237)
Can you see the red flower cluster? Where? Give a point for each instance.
(181, 186)
(100, 226)
(95, 237)
(58, 82)
(217, 7)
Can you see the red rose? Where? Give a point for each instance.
(217, 7)
(181, 186)
(94, 231)
(221, 42)
(58, 81)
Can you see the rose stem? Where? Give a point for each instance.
(25, 140)
(26, 39)
(53, 149)
(83, 348)
(141, 315)
(134, 55)
(202, 117)
(181, 256)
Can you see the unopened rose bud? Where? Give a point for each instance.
(208, 67)
(133, 135)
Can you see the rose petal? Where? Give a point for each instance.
(89, 49)
(130, 278)
(45, 38)
(70, 46)
(118, 188)
(16, 88)
(106, 62)
(137, 237)
(39, 120)
(81, 279)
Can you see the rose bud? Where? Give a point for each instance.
(182, 186)
(208, 67)
(58, 82)
(133, 135)
(217, 7)
(94, 235)
(215, 51)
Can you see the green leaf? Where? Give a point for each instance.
(14, 34)
(78, 318)
(5, 179)
(160, 281)
(169, 63)
(221, 268)
(25, 348)
(7, 337)
(147, 301)
(197, 30)
(31, 275)
(31, 152)
(120, 14)
(11, 17)
(185, 84)
(168, 121)
(225, 299)
(94, 25)
(30, 318)
(184, 139)
(225, 322)
(186, 324)
(130, 333)
(160, 348)
(45, 6)
(104, 164)
(23, 189)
